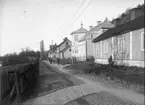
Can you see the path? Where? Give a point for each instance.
(58, 87)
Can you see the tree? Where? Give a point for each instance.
(116, 54)
(25, 56)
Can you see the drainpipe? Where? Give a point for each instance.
(86, 49)
(130, 45)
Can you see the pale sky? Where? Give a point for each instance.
(24, 23)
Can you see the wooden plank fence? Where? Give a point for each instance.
(14, 80)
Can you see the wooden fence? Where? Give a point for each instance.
(14, 80)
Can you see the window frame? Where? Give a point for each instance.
(105, 46)
(142, 42)
(121, 44)
(97, 49)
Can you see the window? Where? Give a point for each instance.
(142, 41)
(76, 37)
(76, 50)
(105, 47)
(97, 49)
(121, 43)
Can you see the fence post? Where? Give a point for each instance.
(4, 88)
(18, 96)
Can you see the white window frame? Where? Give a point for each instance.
(142, 41)
(105, 46)
(121, 44)
(97, 49)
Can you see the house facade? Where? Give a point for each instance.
(93, 33)
(64, 49)
(125, 43)
(66, 53)
(53, 51)
(78, 49)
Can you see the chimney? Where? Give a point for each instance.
(65, 39)
(90, 27)
(98, 22)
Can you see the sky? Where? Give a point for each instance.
(24, 23)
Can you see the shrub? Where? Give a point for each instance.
(91, 58)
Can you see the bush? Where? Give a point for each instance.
(65, 61)
(23, 57)
(91, 58)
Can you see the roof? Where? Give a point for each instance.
(80, 30)
(106, 24)
(65, 49)
(63, 42)
(135, 24)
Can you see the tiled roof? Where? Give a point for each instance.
(106, 24)
(81, 30)
(130, 26)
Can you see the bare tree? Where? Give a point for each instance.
(116, 54)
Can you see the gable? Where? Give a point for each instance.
(65, 45)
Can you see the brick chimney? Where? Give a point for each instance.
(65, 39)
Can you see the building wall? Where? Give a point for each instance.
(106, 54)
(131, 55)
(99, 49)
(125, 54)
(78, 49)
(89, 43)
(61, 55)
(67, 54)
(137, 53)
(89, 48)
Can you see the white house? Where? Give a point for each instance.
(78, 49)
(125, 43)
(93, 33)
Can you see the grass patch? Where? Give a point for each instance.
(132, 77)
(65, 61)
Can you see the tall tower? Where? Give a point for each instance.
(41, 50)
